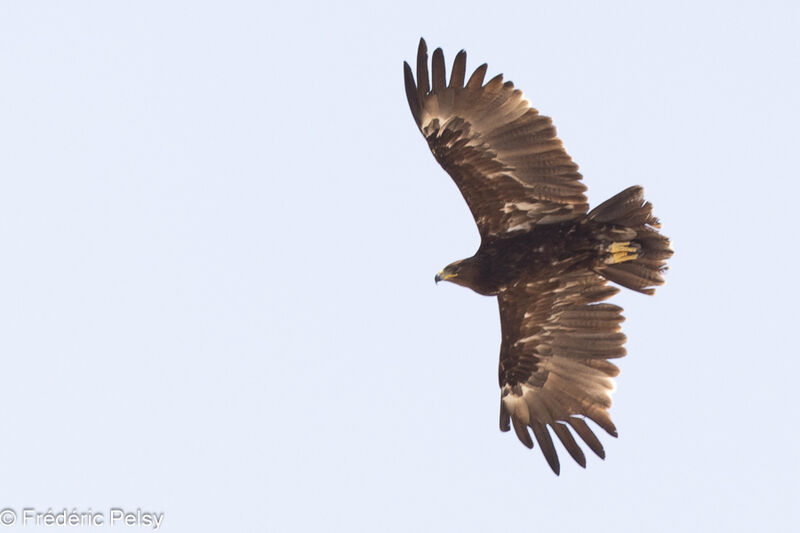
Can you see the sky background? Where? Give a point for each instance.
(220, 226)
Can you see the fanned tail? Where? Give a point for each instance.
(637, 254)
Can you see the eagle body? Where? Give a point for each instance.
(544, 255)
(547, 250)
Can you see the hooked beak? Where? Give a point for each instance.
(444, 276)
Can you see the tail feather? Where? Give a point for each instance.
(630, 211)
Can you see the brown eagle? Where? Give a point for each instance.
(546, 257)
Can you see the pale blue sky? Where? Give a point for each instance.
(220, 228)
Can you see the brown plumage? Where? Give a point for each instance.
(546, 257)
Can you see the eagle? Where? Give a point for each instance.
(546, 257)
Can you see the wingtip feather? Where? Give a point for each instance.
(522, 432)
(546, 445)
(422, 70)
(438, 71)
(476, 80)
(459, 70)
(569, 443)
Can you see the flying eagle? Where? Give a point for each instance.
(546, 257)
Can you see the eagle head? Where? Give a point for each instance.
(470, 273)
(462, 272)
(450, 272)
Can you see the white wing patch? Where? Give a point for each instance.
(524, 225)
(509, 207)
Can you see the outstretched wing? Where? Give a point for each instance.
(554, 368)
(504, 156)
